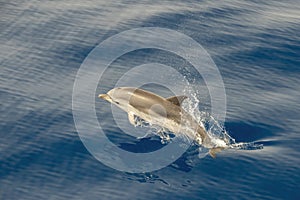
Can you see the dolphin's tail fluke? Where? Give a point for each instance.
(215, 150)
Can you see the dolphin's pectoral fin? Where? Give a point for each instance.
(177, 100)
(131, 118)
(215, 150)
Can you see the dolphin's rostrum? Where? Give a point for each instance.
(164, 112)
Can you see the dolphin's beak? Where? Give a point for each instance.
(105, 97)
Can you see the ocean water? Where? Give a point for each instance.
(255, 45)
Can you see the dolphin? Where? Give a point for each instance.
(164, 112)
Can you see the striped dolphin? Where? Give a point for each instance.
(164, 112)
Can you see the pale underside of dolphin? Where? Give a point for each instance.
(164, 112)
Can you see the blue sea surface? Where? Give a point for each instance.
(255, 45)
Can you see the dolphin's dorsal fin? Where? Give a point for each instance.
(177, 100)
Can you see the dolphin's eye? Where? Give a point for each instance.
(117, 102)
